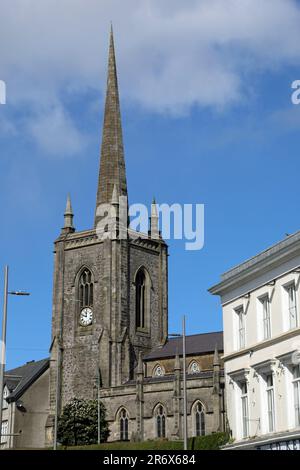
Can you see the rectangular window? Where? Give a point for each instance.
(296, 385)
(266, 317)
(4, 431)
(270, 402)
(245, 411)
(5, 395)
(292, 305)
(241, 327)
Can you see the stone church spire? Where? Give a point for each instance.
(112, 166)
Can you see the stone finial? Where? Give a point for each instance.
(154, 229)
(177, 362)
(216, 356)
(154, 212)
(140, 367)
(68, 215)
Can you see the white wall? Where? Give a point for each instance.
(284, 397)
(283, 340)
(278, 311)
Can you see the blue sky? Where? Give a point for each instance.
(207, 118)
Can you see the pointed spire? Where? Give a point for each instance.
(140, 367)
(154, 229)
(112, 166)
(154, 212)
(69, 210)
(216, 356)
(68, 215)
(177, 362)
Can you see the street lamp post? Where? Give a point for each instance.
(184, 386)
(3, 340)
(185, 433)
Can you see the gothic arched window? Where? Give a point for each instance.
(199, 419)
(142, 298)
(194, 367)
(86, 289)
(123, 422)
(158, 371)
(160, 420)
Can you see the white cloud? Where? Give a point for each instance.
(172, 55)
(55, 133)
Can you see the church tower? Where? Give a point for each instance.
(110, 301)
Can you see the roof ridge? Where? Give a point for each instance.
(28, 363)
(28, 378)
(282, 243)
(198, 334)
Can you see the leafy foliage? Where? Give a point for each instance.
(159, 444)
(78, 423)
(210, 442)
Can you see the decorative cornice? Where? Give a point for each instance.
(240, 374)
(77, 239)
(264, 366)
(146, 243)
(90, 237)
(81, 241)
(259, 264)
(262, 344)
(287, 358)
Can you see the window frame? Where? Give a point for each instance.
(5, 395)
(244, 407)
(199, 419)
(140, 299)
(296, 394)
(124, 424)
(142, 320)
(85, 289)
(155, 369)
(264, 300)
(241, 327)
(4, 432)
(160, 422)
(194, 365)
(270, 399)
(288, 287)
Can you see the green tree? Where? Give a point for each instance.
(78, 423)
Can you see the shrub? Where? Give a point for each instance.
(78, 423)
(210, 442)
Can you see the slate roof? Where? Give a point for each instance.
(19, 380)
(195, 344)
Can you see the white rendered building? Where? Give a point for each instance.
(261, 317)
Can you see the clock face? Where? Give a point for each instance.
(86, 316)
